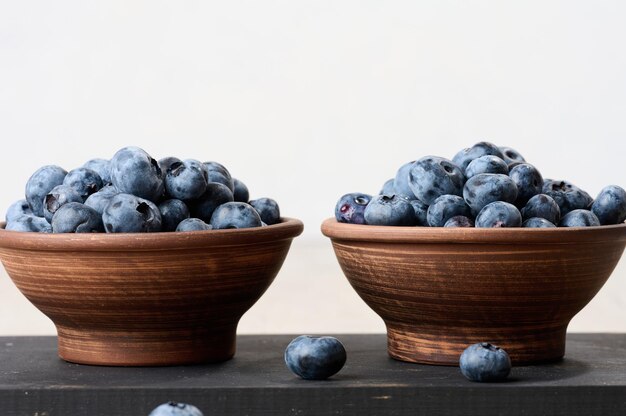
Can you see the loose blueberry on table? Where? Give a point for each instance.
(176, 409)
(132, 193)
(482, 186)
(315, 358)
(485, 362)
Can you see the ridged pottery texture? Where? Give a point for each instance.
(146, 299)
(441, 289)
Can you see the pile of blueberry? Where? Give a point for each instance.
(134, 193)
(483, 186)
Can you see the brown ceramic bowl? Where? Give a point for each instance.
(441, 289)
(146, 299)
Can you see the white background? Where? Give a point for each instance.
(308, 100)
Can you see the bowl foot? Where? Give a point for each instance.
(443, 346)
(147, 348)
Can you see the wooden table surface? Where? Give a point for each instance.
(590, 380)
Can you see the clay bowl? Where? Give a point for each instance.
(146, 299)
(441, 289)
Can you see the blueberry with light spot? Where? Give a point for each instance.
(193, 224)
(75, 217)
(389, 210)
(351, 208)
(268, 210)
(134, 172)
(84, 181)
(127, 213)
(485, 362)
(186, 180)
(102, 167)
(315, 358)
(401, 182)
(173, 211)
(528, 181)
(176, 409)
(459, 221)
(40, 183)
(537, 222)
(485, 188)
(432, 176)
(499, 214)
(579, 218)
(29, 223)
(235, 215)
(511, 156)
(610, 205)
(57, 197)
(465, 156)
(17, 209)
(486, 164)
(446, 207)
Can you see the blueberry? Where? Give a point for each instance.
(17, 209)
(268, 210)
(166, 162)
(216, 172)
(499, 214)
(389, 210)
(579, 218)
(102, 167)
(485, 362)
(127, 213)
(486, 164)
(421, 212)
(186, 180)
(528, 180)
(193, 224)
(173, 211)
(388, 188)
(101, 199)
(40, 183)
(75, 217)
(134, 172)
(235, 215)
(567, 195)
(485, 188)
(432, 176)
(176, 409)
(459, 221)
(215, 195)
(84, 181)
(465, 156)
(401, 185)
(446, 207)
(610, 205)
(511, 155)
(315, 358)
(538, 222)
(240, 193)
(351, 208)
(29, 223)
(542, 206)
(57, 197)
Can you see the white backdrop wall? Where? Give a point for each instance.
(307, 100)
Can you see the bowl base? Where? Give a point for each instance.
(146, 348)
(443, 346)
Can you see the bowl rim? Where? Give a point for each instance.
(287, 228)
(338, 231)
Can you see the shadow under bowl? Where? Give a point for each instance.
(146, 299)
(440, 290)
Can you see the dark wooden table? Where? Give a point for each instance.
(590, 380)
